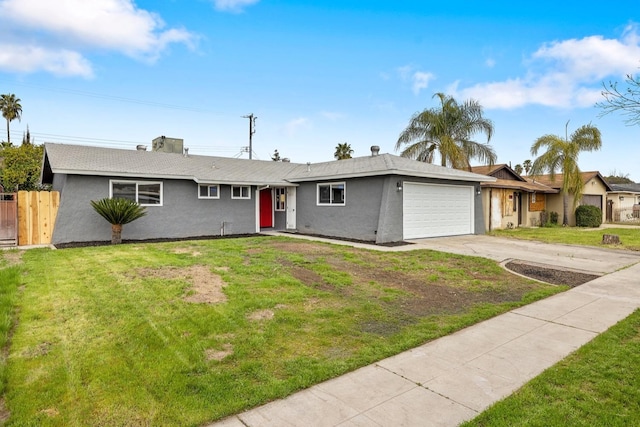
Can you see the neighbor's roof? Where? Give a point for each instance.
(519, 183)
(625, 188)
(529, 187)
(86, 160)
(491, 170)
(557, 181)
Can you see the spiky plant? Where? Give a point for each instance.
(118, 212)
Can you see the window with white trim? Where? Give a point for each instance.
(280, 198)
(331, 194)
(208, 191)
(240, 192)
(146, 193)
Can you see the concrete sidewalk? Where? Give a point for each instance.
(454, 378)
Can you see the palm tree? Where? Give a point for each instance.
(448, 129)
(562, 155)
(11, 110)
(518, 169)
(343, 151)
(527, 166)
(118, 212)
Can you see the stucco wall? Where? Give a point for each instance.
(592, 187)
(372, 212)
(182, 213)
(357, 219)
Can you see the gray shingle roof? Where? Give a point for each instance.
(86, 160)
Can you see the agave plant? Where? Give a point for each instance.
(118, 212)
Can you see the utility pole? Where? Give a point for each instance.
(252, 130)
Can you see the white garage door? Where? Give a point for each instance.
(432, 210)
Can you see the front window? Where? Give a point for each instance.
(332, 193)
(208, 191)
(143, 192)
(280, 198)
(240, 192)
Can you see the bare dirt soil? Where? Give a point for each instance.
(418, 296)
(206, 286)
(551, 275)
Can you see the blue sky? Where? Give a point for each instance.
(118, 73)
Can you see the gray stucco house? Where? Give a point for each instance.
(380, 198)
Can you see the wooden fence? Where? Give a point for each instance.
(37, 211)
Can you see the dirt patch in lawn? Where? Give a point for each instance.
(206, 286)
(218, 355)
(408, 294)
(12, 257)
(550, 275)
(259, 315)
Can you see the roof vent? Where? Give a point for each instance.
(308, 166)
(286, 160)
(375, 150)
(141, 147)
(186, 152)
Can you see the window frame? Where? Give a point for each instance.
(280, 206)
(209, 191)
(331, 200)
(241, 197)
(138, 184)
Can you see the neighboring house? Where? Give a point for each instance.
(511, 201)
(379, 198)
(623, 203)
(594, 193)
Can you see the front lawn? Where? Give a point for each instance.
(598, 385)
(184, 333)
(629, 237)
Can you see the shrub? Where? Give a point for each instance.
(553, 217)
(588, 216)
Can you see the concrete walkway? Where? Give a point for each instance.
(452, 379)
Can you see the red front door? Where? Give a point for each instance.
(266, 208)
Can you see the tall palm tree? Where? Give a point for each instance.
(448, 129)
(343, 151)
(11, 110)
(527, 166)
(562, 155)
(118, 212)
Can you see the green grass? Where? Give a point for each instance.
(598, 385)
(9, 282)
(629, 237)
(105, 336)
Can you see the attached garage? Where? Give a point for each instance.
(433, 210)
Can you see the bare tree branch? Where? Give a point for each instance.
(624, 100)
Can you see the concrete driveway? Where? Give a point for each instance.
(580, 258)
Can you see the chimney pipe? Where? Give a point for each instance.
(186, 152)
(375, 150)
(308, 166)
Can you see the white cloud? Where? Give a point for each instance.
(419, 79)
(562, 74)
(235, 6)
(28, 59)
(73, 26)
(294, 126)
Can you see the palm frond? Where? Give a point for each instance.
(118, 211)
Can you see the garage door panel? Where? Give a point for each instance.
(431, 210)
